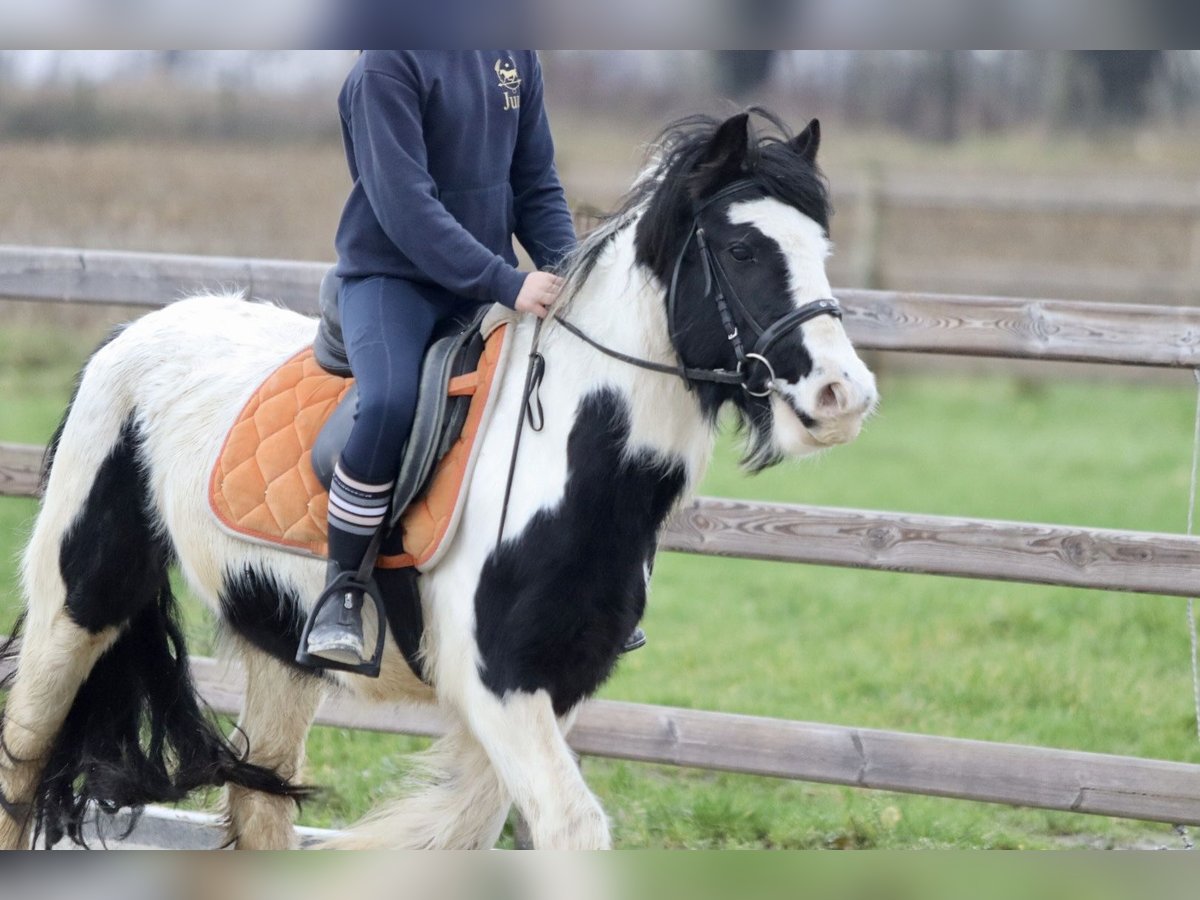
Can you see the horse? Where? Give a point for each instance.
(705, 290)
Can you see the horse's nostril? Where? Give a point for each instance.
(832, 397)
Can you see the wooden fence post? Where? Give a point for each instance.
(867, 274)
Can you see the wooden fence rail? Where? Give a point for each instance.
(1065, 780)
(1126, 334)
(1103, 559)
(149, 279)
(1093, 558)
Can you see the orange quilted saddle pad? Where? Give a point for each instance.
(263, 487)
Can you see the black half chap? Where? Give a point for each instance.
(555, 604)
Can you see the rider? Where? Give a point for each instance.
(451, 156)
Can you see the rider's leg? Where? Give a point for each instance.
(387, 324)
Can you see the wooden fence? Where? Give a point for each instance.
(1079, 557)
(1125, 239)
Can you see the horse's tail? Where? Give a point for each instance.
(136, 731)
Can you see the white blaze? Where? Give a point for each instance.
(840, 390)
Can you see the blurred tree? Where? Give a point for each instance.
(1123, 79)
(172, 61)
(752, 22)
(740, 72)
(1182, 82)
(946, 95)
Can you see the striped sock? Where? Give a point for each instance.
(356, 511)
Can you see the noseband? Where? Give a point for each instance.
(718, 286)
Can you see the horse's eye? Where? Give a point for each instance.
(741, 252)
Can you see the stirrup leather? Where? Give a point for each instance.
(333, 593)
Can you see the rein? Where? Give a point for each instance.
(716, 283)
(534, 373)
(720, 376)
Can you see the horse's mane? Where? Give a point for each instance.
(662, 190)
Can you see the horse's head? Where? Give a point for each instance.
(737, 232)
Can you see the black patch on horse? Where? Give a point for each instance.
(696, 160)
(271, 618)
(136, 732)
(265, 614)
(113, 555)
(555, 604)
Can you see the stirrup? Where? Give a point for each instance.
(333, 591)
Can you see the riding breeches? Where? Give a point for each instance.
(387, 324)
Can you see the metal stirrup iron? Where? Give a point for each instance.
(361, 582)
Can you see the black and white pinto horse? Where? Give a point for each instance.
(725, 232)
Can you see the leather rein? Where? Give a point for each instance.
(718, 286)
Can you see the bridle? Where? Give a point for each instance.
(718, 286)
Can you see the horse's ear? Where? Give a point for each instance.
(807, 142)
(724, 159)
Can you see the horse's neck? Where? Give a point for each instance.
(621, 306)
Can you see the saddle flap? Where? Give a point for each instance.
(438, 420)
(264, 489)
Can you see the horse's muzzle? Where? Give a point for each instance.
(832, 410)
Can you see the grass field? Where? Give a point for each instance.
(1056, 667)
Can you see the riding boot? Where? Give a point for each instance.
(337, 629)
(335, 632)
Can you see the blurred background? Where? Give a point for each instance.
(1069, 173)
(1066, 174)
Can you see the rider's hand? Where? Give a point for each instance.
(538, 292)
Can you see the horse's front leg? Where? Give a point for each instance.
(526, 744)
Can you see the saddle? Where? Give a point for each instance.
(271, 479)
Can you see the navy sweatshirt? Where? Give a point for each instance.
(451, 156)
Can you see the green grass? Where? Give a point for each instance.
(1007, 662)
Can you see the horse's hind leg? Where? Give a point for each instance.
(55, 658)
(278, 712)
(93, 561)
